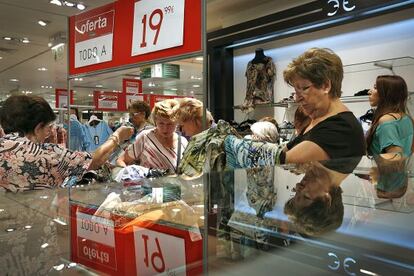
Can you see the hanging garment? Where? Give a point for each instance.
(205, 151)
(260, 81)
(78, 137)
(97, 135)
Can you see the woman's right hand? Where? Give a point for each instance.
(124, 133)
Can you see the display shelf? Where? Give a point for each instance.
(283, 104)
(390, 64)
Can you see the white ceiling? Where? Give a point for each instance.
(18, 19)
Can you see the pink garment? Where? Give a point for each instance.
(25, 165)
(150, 153)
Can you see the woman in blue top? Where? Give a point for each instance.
(392, 127)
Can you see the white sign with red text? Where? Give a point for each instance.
(96, 240)
(96, 229)
(94, 39)
(158, 253)
(158, 25)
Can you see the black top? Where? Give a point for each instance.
(339, 136)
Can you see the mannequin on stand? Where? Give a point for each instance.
(259, 56)
(260, 74)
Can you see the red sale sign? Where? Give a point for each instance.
(62, 97)
(94, 36)
(145, 30)
(108, 101)
(125, 246)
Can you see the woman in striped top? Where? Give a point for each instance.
(157, 148)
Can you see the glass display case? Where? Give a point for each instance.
(351, 217)
(145, 227)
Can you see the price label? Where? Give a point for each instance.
(158, 253)
(158, 25)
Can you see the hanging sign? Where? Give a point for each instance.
(107, 101)
(158, 25)
(131, 32)
(62, 97)
(94, 36)
(131, 86)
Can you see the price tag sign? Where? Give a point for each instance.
(158, 253)
(158, 25)
(93, 39)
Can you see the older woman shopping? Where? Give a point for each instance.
(27, 163)
(333, 131)
(158, 148)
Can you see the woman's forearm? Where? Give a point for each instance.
(102, 154)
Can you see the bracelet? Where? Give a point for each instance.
(115, 139)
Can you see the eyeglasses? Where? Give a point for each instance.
(302, 90)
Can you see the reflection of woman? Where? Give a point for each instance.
(390, 175)
(333, 132)
(317, 205)
(392, 127)
(26, 162)
(158, 148)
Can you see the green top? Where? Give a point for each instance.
(393, 133)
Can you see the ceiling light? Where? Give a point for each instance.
(42, 86)
(7, 38)
(56, 2)
(81, 6)
(42, 23)
(192, 92)
(1, 57)
(99, 85)
(199, 58)
(151, 92)
(42, 69)
(174, 89)
(25, 40)
(196, 85)
(90, 95)
(69, 4)
(15, 80)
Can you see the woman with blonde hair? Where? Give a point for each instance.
(190, 116)
(160, 147)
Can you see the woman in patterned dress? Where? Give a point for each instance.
(26, 162)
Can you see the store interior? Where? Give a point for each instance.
(226, 220)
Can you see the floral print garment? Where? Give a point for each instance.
(260, 82)
(25, 165)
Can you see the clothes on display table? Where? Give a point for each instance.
(149, 152)
(340, 136)
(78, 137)
(25, 165)
(97, 135)
(205, 151)
(398, 133)
(261, 75)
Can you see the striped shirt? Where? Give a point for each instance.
(148, 151)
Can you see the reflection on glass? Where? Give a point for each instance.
(317, 207)
(390, 175)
